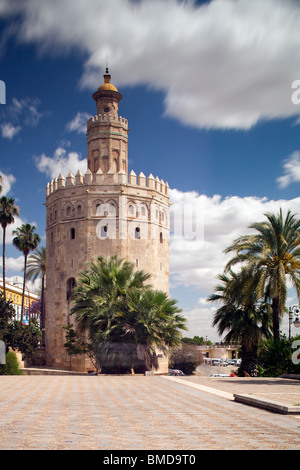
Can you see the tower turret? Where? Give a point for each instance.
(107, 133)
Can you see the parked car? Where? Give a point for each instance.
(175, 372)
(218, 362)
(219, 375)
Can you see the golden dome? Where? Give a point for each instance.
(107, 86)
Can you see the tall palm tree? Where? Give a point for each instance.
(275, 252)
(242, 316)
(36, 267)
(26, 240)
(8, 211)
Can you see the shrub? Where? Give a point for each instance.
(276, 358)
(186, 358)
(12, 366)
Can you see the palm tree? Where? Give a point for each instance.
(123, 317)
(151, 320)
(242, 316)
(102, 287)
(8, 211)
(36, 267)
(275, 252)
(26, 240)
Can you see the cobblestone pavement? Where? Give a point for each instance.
(136, 413)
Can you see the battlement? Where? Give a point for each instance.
(107, 118)
(140, 181)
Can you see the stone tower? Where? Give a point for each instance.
(104, 212)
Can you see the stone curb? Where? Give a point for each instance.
(276, 406)
(203, 388)
(252, 400)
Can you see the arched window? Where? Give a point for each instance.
(71, 283)
(104, 231)
(137, 233)
(72, 233)
(161, 237)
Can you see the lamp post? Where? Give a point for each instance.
(294, 311)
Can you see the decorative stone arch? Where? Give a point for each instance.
(131, 209)
(108, 209)
(96, 207)
(79, 208)
(115, 161)
(164, 217)
(143, 210)
(68, 210)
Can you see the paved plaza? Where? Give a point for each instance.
(52, 412)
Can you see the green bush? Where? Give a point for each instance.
(12, 366)
(275, 357)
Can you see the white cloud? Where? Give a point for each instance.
(195, 264)
(9, 130)
(6, 182)
(224, 64)
(17, 114)
(27, 109)
(13, 264)
(198, 262)
(291, 168)
(78, 123)
(61, 162)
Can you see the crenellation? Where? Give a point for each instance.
(132, 178)
(88, 177)
(141, 179)
(100, 178)
(69, 180)
(78, 177)
(106, 118)
(61, 181)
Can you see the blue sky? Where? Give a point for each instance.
(207, 92)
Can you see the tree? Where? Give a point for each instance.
(26, 240)
(245, 319)
(151, 320)
(123, 317)
(8, 211)
(274, 251)
(36, 267)
(24, 338)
